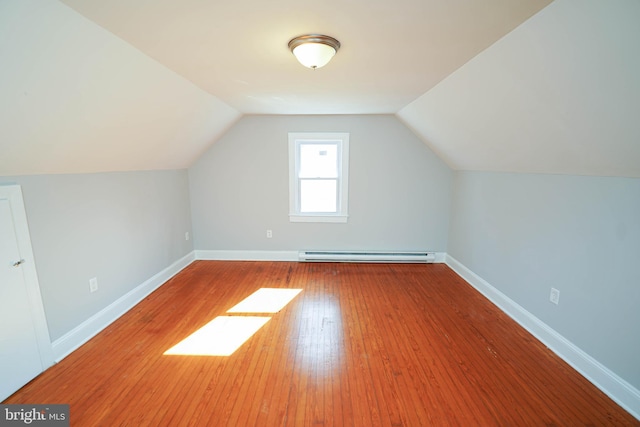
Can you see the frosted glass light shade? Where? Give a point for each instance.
(314, 55)
(314, 50)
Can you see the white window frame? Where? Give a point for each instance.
(295, 140)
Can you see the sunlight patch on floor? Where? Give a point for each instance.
(220, 337)
(225, 334)
(265, 300)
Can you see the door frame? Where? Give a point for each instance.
(13, 193)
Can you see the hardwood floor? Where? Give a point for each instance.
(361, 345)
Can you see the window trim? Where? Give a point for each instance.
(342, 138)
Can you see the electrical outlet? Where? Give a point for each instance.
(93, 284)
(186, 236)
(269, 234)
(554, 296)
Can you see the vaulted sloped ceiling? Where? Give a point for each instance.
(560, 94)
(506, 85)
(75, 98)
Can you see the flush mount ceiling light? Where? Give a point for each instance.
(314, 50)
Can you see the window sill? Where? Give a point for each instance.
(318, 218)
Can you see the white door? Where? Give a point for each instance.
(22, 324)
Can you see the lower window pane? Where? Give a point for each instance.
(318, 196)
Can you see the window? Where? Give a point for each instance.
(318, 177)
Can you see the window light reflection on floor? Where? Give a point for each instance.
(265, 300)
(225, 334)
(220, 337)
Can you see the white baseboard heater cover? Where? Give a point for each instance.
(366, 256)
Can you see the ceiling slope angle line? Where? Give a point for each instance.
(558, 95)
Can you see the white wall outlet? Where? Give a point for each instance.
(269, 234)
(186, 236)
(554, 296)
(93, 284)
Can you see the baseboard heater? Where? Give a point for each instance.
(364, 256)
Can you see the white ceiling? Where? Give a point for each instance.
(558, 95)
(497, 85)
(74, 98)
(392, 51)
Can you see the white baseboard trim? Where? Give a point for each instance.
(623, 393)
(82, 333)
(215, 255)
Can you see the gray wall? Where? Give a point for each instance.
(527, 233)
(122, 228)
(399, 191)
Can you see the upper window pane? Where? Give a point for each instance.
(318, 160)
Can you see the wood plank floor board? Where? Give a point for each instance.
(361, 345)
